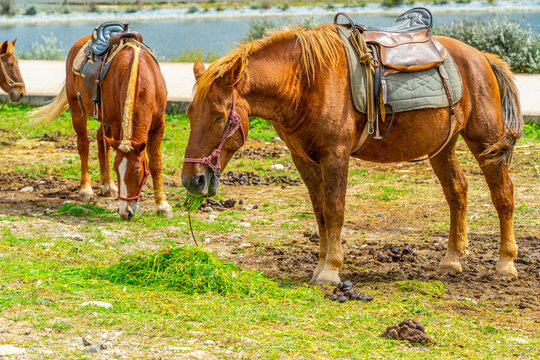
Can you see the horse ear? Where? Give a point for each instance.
(3, 47)
(139, 147)
(14, 42)
(112, 143)
(198, 69)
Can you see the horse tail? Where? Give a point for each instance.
(52, 111)
(129, 103)
(512, 120)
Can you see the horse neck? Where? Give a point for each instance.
(275, 83)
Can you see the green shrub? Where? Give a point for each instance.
(192, 54)
(516, 44)
(6, 7)
(30, 11)
(392, 3)
(309, 22)
(259, 29)
(254, 6)
(285, 6)
(192, 9)
(50, 50)
(265, 4)
(463, 1)
(439, 2)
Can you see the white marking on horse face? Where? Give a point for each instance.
(123, 188)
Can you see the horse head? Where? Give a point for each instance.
(131, 170)
(11, 80)
(219, 124)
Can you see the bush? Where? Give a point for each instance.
(463, 1)
(192, 54)
(7, 7)
(392, 3)
(50, 50)
(516, 44)
(285, 6)
(92, 6)
(192, 9)
(259, 29)
(439, 2)
(309, 22)
(254, 6)
(30, 11)
(265, 4)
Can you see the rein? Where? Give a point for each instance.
(9, 81)
(233, 124)
(145, 176)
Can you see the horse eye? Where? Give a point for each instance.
(219, 119)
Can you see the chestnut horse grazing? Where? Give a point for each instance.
(11, 80)
(133, 102)
(299, 80)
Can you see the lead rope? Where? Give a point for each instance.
(191, 229)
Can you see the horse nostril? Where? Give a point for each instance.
(21, 95)
(200, 182)
(131, 213)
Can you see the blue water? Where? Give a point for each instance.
(169, 37)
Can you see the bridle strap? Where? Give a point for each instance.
(145, 176)
(9, 81)
(234, 123)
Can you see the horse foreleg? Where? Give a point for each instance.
(334, 184)
(454, 184)
(154, 162)
(109, 188)
(312, 176)
(79, 124)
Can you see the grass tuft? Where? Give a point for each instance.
(190, 270)
(81, 210)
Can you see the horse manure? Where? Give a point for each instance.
(409, 329)
(345, 291)
(397, 253)
(328, 295)
(314, 238)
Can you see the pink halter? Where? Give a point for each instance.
(233, 124)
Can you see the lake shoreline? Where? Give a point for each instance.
(299, 11)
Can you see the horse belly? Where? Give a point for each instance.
(414, 134)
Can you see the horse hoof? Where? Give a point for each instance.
(86, 195)
(453, 267)
(506, 269)
(109, 192)
(168, 214)
(328, 278)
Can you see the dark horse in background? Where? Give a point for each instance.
(299, 80)
(11, 80)
(133, 100)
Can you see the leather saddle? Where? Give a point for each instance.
(103, 46)
(405, 46)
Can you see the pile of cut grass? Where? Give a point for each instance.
(190, 270)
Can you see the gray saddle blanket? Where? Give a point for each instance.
(412, 20)
(405, 91)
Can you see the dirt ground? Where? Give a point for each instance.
(372, 230)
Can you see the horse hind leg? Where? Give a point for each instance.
(154, 162)
(109, 187)
(502, 196)
(79, 124)
(454, 185)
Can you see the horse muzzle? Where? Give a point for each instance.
(127, 209)
(15, 96)
(202, 184)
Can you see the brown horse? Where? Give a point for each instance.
(134, 98)
(299, 80)
(11, 80)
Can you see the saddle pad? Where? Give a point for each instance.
(406, 91)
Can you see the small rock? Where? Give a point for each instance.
(249, 341)
(27, 332)
(277, 167)
(314, 238)
(91, 350)
(27, 189)
(276, 139)
(47, 352)
(85, 341)
(245, 245)
(207, 209)
(209, 342)
(102, 304)
(103, 346)
(197, 354)
(212, 217)
(229, 203)
(378, 214)
(244, 224)
(10, 350)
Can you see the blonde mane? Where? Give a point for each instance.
(319, 49)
